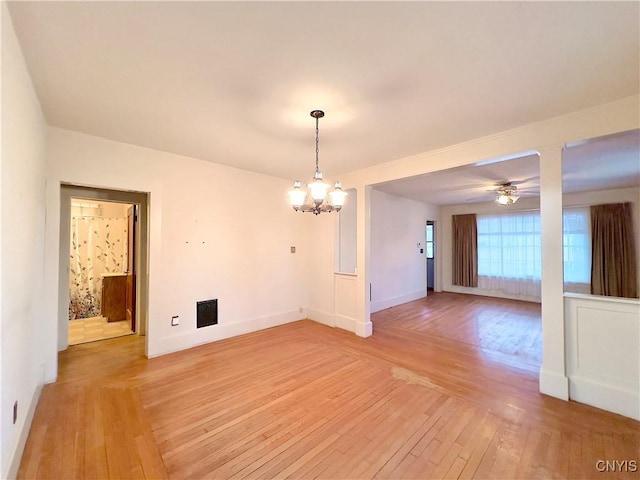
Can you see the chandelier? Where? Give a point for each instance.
(316, 190)
(506, 194)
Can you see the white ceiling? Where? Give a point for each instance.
(234, 82)
(594, 164)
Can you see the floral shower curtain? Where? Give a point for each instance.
(98, 245)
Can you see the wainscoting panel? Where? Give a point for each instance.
(345, 294)
(603, 352)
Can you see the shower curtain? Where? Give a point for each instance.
(98, 245)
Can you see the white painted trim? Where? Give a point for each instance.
(319, 316)
(340, 321)
(554, 384)
(598, 298)
(608, 397)
(16, 458)
(364, 330)
(345, 323)
(399, 300)
(214, 333)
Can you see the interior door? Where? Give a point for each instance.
(130, 296)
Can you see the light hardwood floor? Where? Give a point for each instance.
(447, 387)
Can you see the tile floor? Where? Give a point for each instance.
(96, 328)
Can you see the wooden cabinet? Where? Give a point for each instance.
(114, 290)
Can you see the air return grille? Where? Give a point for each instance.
(206, 313)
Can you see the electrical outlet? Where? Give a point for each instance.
(175, 321)
(15, 412)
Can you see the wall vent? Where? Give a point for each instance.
(206, 313)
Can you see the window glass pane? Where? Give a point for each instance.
(429, 233)
(429, 249)
(509, 245)
(576, 244)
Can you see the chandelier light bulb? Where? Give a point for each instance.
(297, 195)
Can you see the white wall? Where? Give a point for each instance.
(215, 232)
(398, 268)
(22, 203)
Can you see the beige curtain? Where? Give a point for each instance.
(613, 258)
(465, 250)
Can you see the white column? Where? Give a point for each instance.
(364, 327)
(553, 379)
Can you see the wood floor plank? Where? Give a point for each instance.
(447, 387)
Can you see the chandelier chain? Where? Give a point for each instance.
(317, 149)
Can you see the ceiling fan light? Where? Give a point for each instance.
(502, 199)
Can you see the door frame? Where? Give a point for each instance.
(141, 199)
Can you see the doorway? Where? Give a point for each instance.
(103, 264)
(101, 270)
(430, 250)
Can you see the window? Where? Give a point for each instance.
(509, 251)
(429, 242)
(509, 245)
(576, 243)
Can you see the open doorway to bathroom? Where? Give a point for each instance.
(101, 270)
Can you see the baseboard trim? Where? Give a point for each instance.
(554, 384)
(14, 465)
(607, 397)
(399, 300)
(214, 333)
(340, 321)
(364, 330)
(345, 323)
(319, 316)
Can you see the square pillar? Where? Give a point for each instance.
(364, 327)
(553, 379)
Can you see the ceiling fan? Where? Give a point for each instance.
(506, 194)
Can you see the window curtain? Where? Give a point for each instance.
(465, 250)
(613, 257)
(98, 245)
